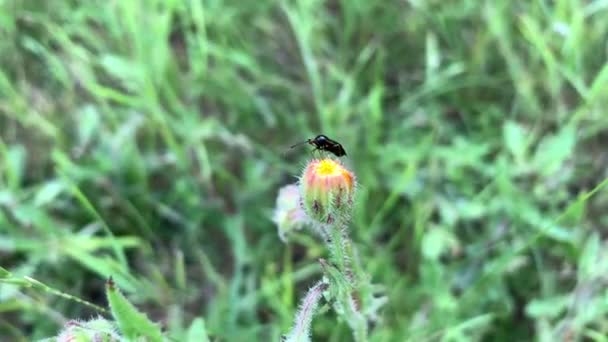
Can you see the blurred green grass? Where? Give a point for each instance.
(148, 140)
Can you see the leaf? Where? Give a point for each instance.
(547, 307)
(132, 323)
(4, 273)
(48, 192)
(102, 265)
(126, 70)
(591, 264)
(436, 241)
(554, 150)
(16, 157)
(515, 139)
(548, 227)
(197, 331)
(89, 125)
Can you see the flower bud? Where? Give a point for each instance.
(97, 329)
(288, 214)
(327, 190)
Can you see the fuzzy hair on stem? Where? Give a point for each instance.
(301, 328)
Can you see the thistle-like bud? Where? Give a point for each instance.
(97, 329)
(327, 189)
(288, 215)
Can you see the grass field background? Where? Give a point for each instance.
(147, 140)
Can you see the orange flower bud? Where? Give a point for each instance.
(327, 190)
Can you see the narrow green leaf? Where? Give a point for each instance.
(16, 281)
(4, 273)
(132, 323)
(554, 150)
(48, 192)
(197, 331)
(591, 263)
(515, 139)
(548, 307)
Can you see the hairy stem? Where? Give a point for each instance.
(301, 328)
(338, 239)
(342, 257)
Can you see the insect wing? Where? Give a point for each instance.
(338, 150)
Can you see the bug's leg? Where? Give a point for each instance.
(312, 153)
(318, 152)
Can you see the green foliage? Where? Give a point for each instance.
(7, 277)
(343, 293)
(147, 140)
(132, 323)
(97, 329)
(197, 331)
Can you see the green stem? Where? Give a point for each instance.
(337, 242)
(359, 325)
(343, 256)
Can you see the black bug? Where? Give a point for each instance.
(323, 143)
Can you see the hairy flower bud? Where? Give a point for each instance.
(97, 329)
(288, 215)
(327, 190)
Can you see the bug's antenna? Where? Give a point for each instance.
(301, 143)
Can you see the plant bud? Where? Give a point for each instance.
(97, 329)
(327, 190)
(288, 214)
